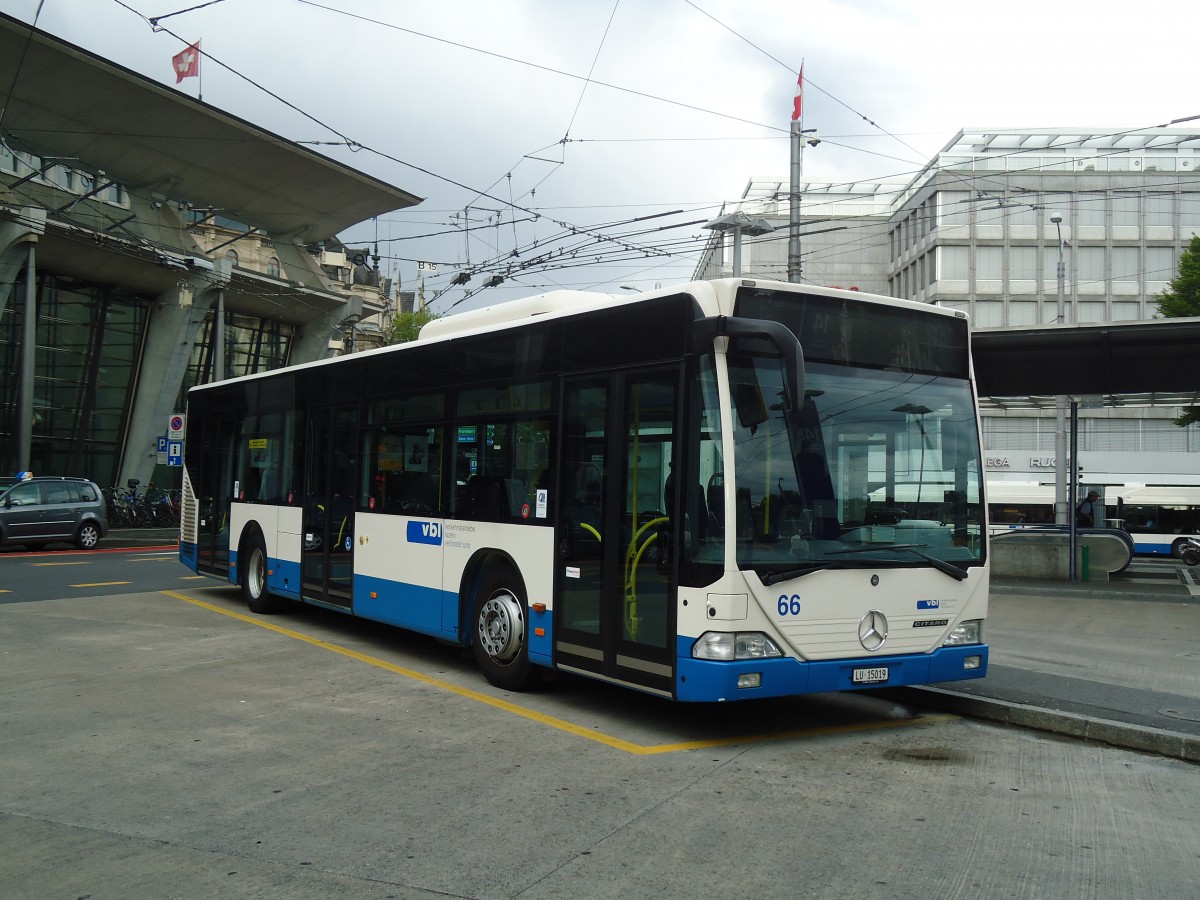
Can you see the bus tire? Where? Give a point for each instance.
(500, 631)
(1177, 548)
(252, 575)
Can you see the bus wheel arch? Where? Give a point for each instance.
(252, 571)
(497, 620)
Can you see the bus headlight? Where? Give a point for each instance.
(969, 632)
(728, 645)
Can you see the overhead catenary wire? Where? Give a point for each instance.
(533, 211)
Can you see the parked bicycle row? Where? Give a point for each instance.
(156, 508)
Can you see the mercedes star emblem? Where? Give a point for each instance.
(873, 630)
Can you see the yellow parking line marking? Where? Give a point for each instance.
(5, 591)
(193, 578)
(102, 584)
(552, 721)
(156, 559)
(44, 565)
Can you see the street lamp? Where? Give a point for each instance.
(740, 223)
(1057, 218)
(1062, 509)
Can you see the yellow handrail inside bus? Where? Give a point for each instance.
(594, 532)
(633, 556)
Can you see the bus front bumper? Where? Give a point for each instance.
(702, 680)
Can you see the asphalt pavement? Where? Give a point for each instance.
(1110, 661)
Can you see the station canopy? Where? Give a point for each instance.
(1142, 363)
(61, 101)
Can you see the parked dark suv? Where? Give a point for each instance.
(42, 509)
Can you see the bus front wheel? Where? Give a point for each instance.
(253, 570)
(500, 632)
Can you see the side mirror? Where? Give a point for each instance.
(751, 408)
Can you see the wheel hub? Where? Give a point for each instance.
(500, 628)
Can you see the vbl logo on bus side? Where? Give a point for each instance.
(424, 533)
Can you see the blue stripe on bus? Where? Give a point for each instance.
(1155, 549)
(284, 579)
(428, 610)
(541, 646)
(707, 680)
(189, 555)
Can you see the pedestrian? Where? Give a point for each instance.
(1087, 510)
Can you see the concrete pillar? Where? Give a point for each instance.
(312, 343)
(14, 235)
(172, 333)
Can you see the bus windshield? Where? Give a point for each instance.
(876, 466)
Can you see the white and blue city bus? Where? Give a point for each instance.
(733, 489)
(1160, 519)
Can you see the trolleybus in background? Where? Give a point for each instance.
(729, 490)
(1160, 519)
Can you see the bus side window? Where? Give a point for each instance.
(403, 469)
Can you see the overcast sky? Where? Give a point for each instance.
(545, 114)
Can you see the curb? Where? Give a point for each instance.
(1171, 744)
(1158, 591)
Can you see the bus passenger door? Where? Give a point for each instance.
(214, 493)
(615, 613)
(327, 557)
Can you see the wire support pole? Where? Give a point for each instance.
(797, 155)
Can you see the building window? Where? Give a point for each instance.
(1125, 264)
(989, 263)
(232, 256)
(1189, 213)
(988, 314)
(1091, 265)
(251, 345)
(1125, 209)
(1010, 433)
(1023, 263)
(1160, 263)
(1023, 312)
(1056, 205)
(954, 208)
(1089, 208)
(89, 341)
(273, 267)
(952, 263)
(1158, 209)
(1022, 215)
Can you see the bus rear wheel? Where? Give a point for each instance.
(252, 566)
(500, 632)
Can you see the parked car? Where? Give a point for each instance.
(39, 510)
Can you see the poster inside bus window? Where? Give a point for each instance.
(416, 453)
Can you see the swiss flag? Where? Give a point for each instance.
(799, 94)
(187, 62)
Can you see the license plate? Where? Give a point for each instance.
(870, 676)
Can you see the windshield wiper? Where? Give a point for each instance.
(776, 577)
(940, 564)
